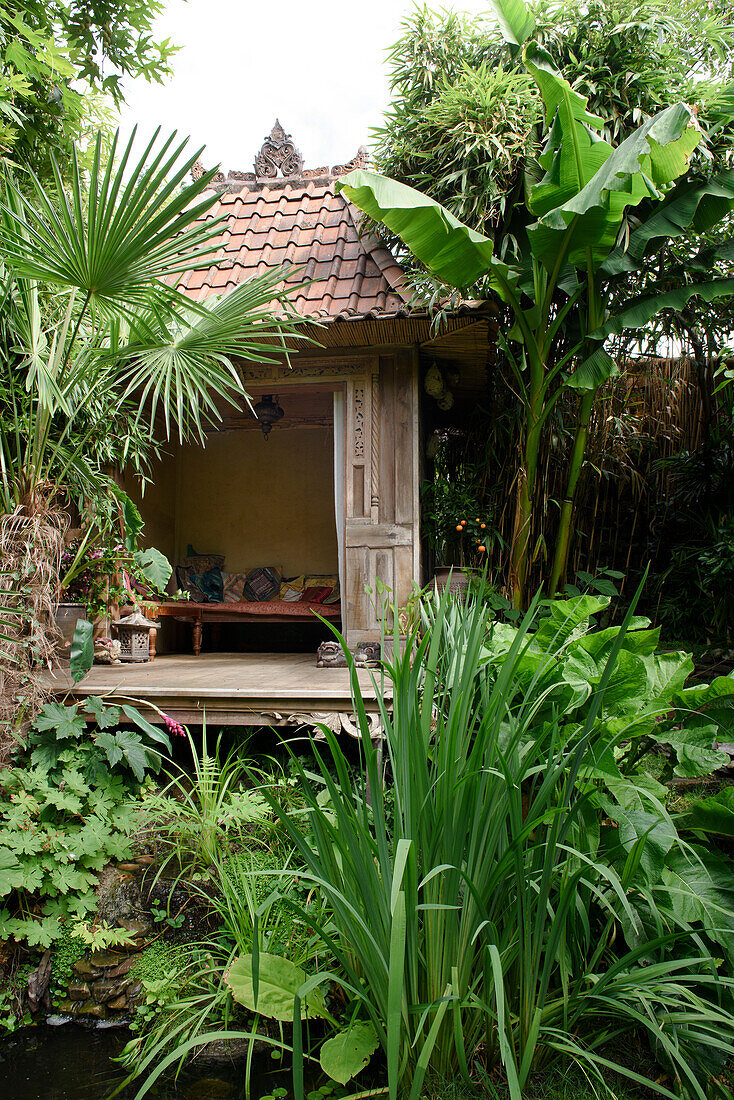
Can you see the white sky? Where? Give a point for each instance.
(317, 65)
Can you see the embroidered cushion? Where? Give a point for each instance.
(291, 590)
(209, 584)
(262, 584)
(335, 594)
(234, 587)
(202, 563)
(321, 581)
(316, 594)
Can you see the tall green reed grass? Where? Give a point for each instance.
(474, 916)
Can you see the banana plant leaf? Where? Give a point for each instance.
(641, 310)
(559, 98)
(451, 250)
(691, 205)
(588, 186)
(596, 369)
(515, 19)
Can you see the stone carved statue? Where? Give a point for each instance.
(330, 655)
(107, 651)
(278, 152)
(367, 655)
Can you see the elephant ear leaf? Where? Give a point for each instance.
(516, 20)
(154, 566)
(278, 982)
(694, 748)
(713, 815)
(712, 702)
(699, 886)
(347, 1053)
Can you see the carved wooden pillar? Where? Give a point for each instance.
(381, 522)
(375, 447)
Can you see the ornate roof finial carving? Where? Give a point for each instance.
(360, 161)
(278, 152)
(197, 171)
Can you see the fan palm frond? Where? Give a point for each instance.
(132, 224)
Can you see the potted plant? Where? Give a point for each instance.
(100, 579)
(454, 522)
(73, 602)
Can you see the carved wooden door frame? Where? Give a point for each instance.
(358, 376)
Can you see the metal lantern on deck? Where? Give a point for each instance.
(133, 632)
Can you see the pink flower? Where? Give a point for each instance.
(173, 726)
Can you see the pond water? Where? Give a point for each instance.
(76, 1063)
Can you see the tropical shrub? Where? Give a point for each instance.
(515, 894)
(576, 258)
(646, 701)
(247, 876)
(66, 809)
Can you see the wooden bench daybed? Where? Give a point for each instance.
(272, 611)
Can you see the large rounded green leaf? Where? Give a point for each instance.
(278, 983)
(347, 1053)
(154, 566)
(710, 815)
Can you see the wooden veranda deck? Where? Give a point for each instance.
(233, 689)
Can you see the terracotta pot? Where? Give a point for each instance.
(67, 615)
(453, 577)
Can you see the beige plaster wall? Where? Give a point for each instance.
(157, 505)
(256, 502)
(260, 502)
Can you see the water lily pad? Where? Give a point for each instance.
(346, 1054)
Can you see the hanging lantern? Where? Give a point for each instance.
(133, 632)
(268, 412)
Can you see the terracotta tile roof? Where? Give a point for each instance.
(302, 223)
(298, 221)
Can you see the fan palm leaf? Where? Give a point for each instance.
(180, 356)
(110, 240)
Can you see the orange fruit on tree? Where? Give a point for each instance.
(459, 527)
(482, 549)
